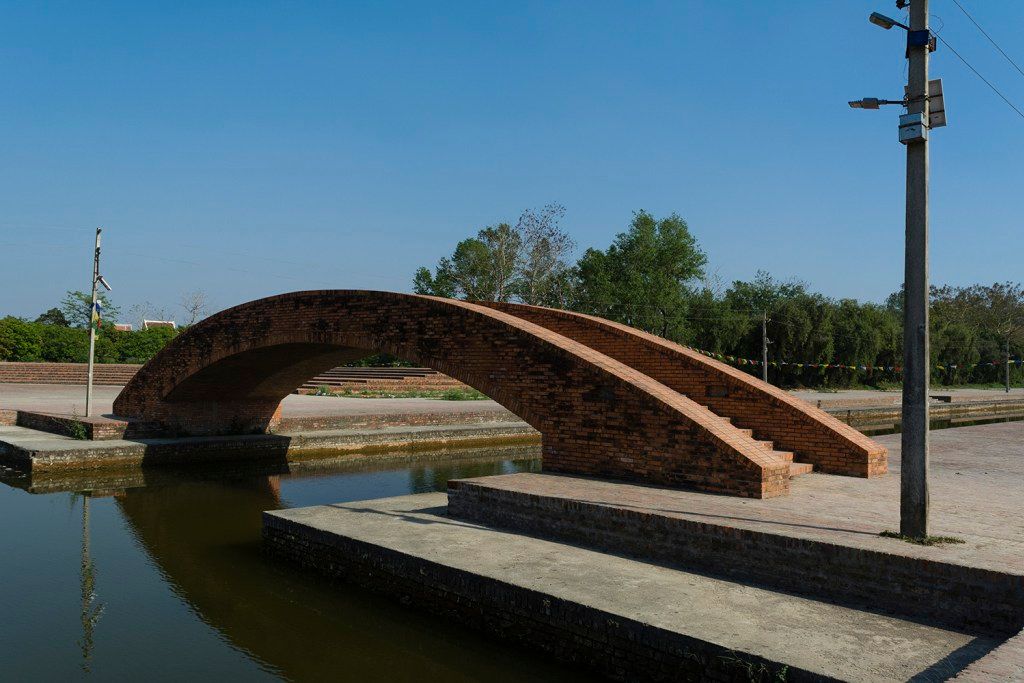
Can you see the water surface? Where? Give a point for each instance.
(158, 575)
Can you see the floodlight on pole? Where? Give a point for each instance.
(104, 283)
(872, 103)
(885, 22)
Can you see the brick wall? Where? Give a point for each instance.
(596, 415)
(791, 423)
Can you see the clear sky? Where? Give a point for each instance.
(250, 148)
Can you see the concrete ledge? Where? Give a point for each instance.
(974, 408)
(624, 619)
(652, 524)
(1005, 663)
(33, 450)
(313, 423)
(76, 426)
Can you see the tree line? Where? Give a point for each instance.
(61, 334)
(654, 276)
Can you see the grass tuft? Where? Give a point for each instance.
(926, 540)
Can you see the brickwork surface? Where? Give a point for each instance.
(792, 424)
(607, 414)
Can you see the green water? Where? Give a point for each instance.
(157, 575)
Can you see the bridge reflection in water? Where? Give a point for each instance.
(201, 531)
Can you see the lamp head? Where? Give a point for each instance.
(882, 20)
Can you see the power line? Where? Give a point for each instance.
(978, 74)
(990, 39)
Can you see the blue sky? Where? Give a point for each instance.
(249, 148)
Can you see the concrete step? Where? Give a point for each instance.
(636, 620)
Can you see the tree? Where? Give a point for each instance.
(196, 306)
(544, 276)
(54, 316)
(644, 278)
(999, 310)
(76, 308)
(525, 262)
(482, 268)
(19, 340)
(145, 310)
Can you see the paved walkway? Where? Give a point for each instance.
(67, 399)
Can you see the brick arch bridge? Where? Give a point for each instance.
(607, 399)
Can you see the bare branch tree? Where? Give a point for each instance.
(196, 306)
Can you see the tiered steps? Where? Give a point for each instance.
(376, 377)
(66, 373)
(796, 469)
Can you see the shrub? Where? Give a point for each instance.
(63, 344)
(140, 346)
(19, 340)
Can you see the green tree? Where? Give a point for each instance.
(76, 305)
(526, 262)
(645, 277)
(138, 346)
(19, 340)
(482, 268)
(54, 316)
(63, 344)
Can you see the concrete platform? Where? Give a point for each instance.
(297, 411)
(977, 493)
(624, 618)
(33, 450)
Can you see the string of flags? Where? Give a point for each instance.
(735, 360)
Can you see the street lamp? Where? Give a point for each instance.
(925, 111)
(885, 22)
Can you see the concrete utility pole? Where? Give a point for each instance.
(914, 462)
(92, 327)
(764, 346)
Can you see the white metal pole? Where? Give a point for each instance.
(92, 328)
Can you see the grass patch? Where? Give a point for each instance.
(455, 394)
(926, 540)
(77, 430)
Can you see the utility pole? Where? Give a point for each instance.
(914, 462)
(764, 346)
(97, 279)
(925, 112)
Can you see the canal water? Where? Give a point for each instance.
(158, 575)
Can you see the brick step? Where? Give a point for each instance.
(798, 468)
